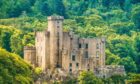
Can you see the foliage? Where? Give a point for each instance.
(133, 78)
(136, 16)
(115, 79)
(37, 73)
(13, 70)
(88, 78)
(117, 20)
(70, 80)
(13, 39)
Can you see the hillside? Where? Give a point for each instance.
(13, 70)
(117, 20)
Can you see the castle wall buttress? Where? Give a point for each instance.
(47, 34)
(40, 43)
(66, 51)
(103, 51)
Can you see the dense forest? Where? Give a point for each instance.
(117, 20)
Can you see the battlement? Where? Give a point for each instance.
(55, 18)
(115, 66)
(29, 47)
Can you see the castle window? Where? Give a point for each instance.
(80, 46)
(97, 46)
(86, 54)
(77, 64)
(70, 70)
(70, 64)
(57, 65)
(97, 62)
(86, 46)
(88, 69)
(97, 54)
(57, 22)
(73, 57)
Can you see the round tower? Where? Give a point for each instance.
(30, 55)
(56, 40)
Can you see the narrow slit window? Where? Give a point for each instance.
(70, 64)
(77, 64)
(97, 46)
(80, 46)
(97, 54)
(73, 57)
(86, 54)
(70, 70)
(86, 46)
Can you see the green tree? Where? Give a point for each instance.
(5, 35)
(123, 27)
(136, 16)
(16, 43)
(28, 39)
(57, 7)
(13, 70)
(133, 78)
(129, 64)
(118, 79)
(111, 58)
(137, 49)
(88, 78)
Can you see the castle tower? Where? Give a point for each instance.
(30, 55)
(56, 38)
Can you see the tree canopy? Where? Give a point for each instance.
(13, 70)
(117, 20)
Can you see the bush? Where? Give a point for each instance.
(13, 70)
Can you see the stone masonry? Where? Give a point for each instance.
(57, 49)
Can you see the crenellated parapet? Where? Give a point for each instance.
(29, 47)
(110, 70)
(55, 18)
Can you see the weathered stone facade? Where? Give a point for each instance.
(109, 70)
(57, 49)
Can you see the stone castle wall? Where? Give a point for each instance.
(57, 49)
(30, 55)
(56, 36)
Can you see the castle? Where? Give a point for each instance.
(57, 49)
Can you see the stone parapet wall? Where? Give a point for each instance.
(29, 48)
(109, 70)
(55, 18)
